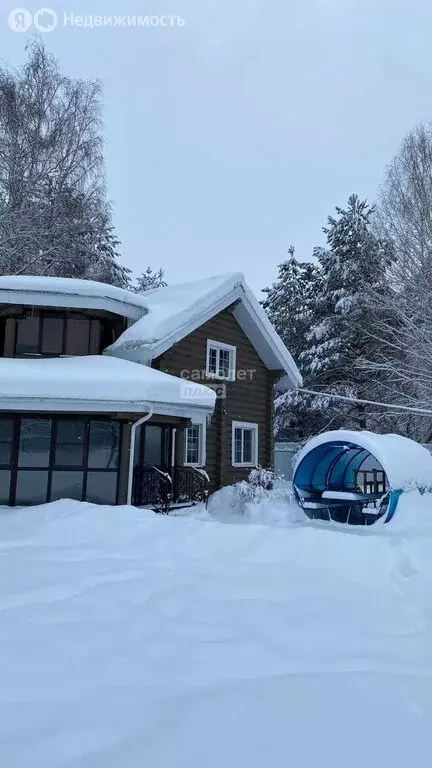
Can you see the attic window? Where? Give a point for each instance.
(221, 360)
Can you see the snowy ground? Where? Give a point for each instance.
(129, 640)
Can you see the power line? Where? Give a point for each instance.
(353, 400)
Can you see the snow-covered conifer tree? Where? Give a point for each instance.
(148, 280)
(342, 337)
(290, 304)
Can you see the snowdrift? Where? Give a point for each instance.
(129, 639)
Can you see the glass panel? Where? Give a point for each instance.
(153, 444)
(212, 360)
(67, 485)
(52, 335)
(6, 436)
(137, 452)
(32, 487)
(238, 446)
(95, 337)
(102, 487)
(70, 443)
(35, 443)
(193, 444)
(77, 336)
(28, 335)
(5, 476)
(247, 446)
(104, 445)
(224, 363)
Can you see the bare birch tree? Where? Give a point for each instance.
(54, 217)
(403, 316)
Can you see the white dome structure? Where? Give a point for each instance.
(357, 477)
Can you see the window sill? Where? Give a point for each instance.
(245, 466)
(216, 377)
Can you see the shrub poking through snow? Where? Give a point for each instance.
(263, 498)
(262, 478)
(256, 489)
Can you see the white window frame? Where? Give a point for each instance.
(202, 445)
(245, 425)
(218, 345)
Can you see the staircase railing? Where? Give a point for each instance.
(153, 487)
(191, 485)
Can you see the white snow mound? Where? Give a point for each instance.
(129, 639)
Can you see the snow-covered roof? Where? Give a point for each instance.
(99, 384)
(177, 310)
(407, 464)
(66, 292)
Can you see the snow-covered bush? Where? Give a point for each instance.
(262, 478)
(263, 498)
(256, 488)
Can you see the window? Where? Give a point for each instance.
(45, 459)
(50, 334)
(195, 445)
(244, 444)
(6, 442)
(77, 336)
(153, 446)
(31, 487)
(27, 335)
(35, 443)
(70, 439)
(67, 485)
(5, 478)
(221, 360)
(6, 438)
(104, 448)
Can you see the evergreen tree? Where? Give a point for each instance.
(290, 304)
(288, 301)
(148, 280)
(326, 313)
(341, 342)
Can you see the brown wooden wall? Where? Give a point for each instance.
(249, 399)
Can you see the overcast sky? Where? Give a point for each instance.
(235, 135)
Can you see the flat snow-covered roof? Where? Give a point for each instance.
(177, 310)
(99, 384)
(66, 292)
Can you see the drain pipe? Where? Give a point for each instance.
(132, 452)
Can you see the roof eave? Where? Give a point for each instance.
(276, 359)
(35, 298)
(77, 405)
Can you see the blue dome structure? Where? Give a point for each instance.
(359, 477)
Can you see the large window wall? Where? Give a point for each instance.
(49, 458)
(54, 333)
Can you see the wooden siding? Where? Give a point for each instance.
(247, 399)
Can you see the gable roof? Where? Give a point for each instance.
(178, 310)
(44, 291)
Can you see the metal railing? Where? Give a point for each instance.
(158, 489)
(152, 487)
(190, 485)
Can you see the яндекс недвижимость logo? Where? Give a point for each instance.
(21, 20)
